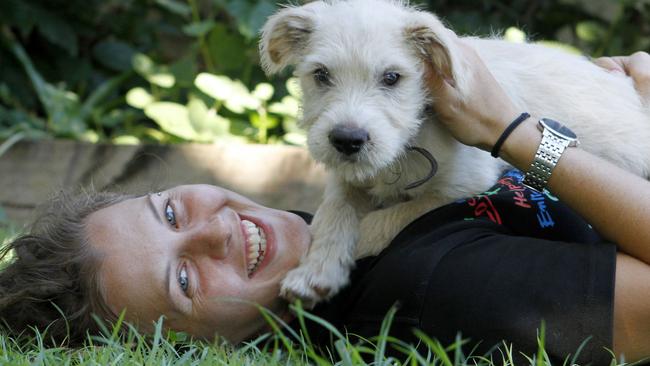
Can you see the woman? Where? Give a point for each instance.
(200, 255)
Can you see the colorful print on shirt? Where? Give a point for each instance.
(526, 211)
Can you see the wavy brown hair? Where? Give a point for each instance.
(49, 278)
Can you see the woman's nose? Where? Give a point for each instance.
(211, 238)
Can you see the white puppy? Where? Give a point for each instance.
(361, 65)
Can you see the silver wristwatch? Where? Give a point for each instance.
(555, 139)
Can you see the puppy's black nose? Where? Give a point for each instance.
(348, 140)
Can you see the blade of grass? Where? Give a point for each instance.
(11, 141)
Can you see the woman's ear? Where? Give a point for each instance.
(285, 37)
(435, 44)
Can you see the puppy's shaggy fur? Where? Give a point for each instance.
(343, 51)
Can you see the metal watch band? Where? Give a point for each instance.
(548, 154)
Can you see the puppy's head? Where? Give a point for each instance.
(361, 65)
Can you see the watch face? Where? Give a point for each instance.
(558, 128)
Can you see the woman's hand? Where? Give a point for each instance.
(479, 118)
(636, 66)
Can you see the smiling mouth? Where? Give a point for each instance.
(256, 245)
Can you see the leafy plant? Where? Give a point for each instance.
(595, 27)
(132, 71)
(65, 115)
(128, 86)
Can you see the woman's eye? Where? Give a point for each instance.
(322, 76)
(390, 78)
(183, 280)
(170, 215)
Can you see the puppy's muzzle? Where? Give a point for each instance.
(348, 140)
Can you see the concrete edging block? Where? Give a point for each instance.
(278, 176)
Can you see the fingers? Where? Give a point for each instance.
(437, 81)
(636, 66)
(438, 85)
(610, 64)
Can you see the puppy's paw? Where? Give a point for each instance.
(314, 282)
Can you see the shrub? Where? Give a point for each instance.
(171, 71)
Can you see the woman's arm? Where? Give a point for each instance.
(614, 201)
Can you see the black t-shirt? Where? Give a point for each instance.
(491, 267)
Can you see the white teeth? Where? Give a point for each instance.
(256, 242)
(254, 239)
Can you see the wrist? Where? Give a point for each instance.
(497, 126)
(520, 147)
(506, 133)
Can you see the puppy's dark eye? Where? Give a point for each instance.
(322, 76)
(390, 78)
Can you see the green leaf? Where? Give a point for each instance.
(75, 71)
(7, 144)
(143, 133)
(206, 122)
(643, 43)
(185, 70)
(162, 79)
(5, 94)
(561, 46)
(267, 122)
(263, 91)
(116, 117)
(153, 73)
(294, 138)
(237, 9)
(233, 93)
(218, 87)
(126, 140)
(19, 13)
(514, 34)
(175, 7)
(139, 98)
(590, 31)
(250, 16)
(62, 106)
(258, 15)
(198, 29)
(20, 121)
(241, 128)
(64, 112)
(289, 106)
(241, 99)
(172, 118)
(290, 124)
(143, 64)
(604, 9)
(56, 30)
(89, 136)
(101, 93)
(113, 54)
(226, 49)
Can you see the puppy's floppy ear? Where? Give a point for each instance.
(434, 43)
(285, 37)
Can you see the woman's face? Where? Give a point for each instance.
(200, 255)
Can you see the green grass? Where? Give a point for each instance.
(121, 344)
(128, 347)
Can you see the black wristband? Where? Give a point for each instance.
(497, 146)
